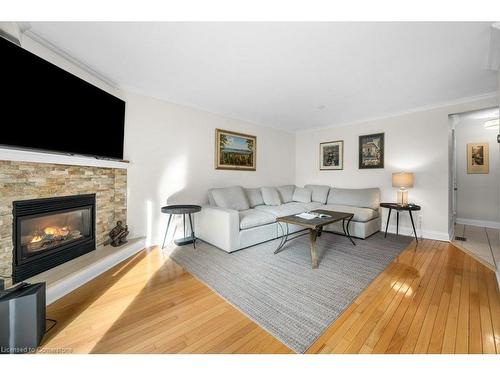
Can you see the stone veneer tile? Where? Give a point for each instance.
(23, 180)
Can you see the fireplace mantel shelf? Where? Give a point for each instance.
(42, 157)
(68, 276)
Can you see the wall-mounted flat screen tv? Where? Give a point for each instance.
(43, 107)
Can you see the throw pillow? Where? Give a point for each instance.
(254, 197)
(319, 192)
(302, 195)
(286, 192)
(231, 197)
(270, 196)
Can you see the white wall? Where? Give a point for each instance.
(171, 149)
(416, 142)
(477, 195)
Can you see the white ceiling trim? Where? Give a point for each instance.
(137, 91)
(26, 32)
(491, 95)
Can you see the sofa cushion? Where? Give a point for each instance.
(271, 196)
(319, 192)
(286, 192)
(255, 218)
(254, 197)
(361, 214)
(312, 206)
(368, 198)
(231, 197)
(286, 209)
(302, 195)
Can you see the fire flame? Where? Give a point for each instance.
(50, 230)
(36, 239)
(56, 231)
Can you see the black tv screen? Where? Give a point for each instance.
(44, 107)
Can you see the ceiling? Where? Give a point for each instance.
(286, 75)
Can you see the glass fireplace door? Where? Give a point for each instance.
(44, 232)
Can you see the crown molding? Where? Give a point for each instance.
(469, 99)
(11, 32)
(26, 32)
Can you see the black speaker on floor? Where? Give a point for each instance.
(22, 318)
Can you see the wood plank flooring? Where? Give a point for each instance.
(433, 298)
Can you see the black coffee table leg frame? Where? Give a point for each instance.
(286, 236)
(346, 229)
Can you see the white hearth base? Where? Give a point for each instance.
(66, 277)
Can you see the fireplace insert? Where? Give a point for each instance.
(48, 232)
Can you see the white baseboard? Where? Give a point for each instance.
(451, 233)
(428, 234)
(478, 223)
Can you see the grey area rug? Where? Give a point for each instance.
(281, 292)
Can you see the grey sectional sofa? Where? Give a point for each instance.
(236, 217)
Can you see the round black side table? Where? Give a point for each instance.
(397, 207)
(181, 209)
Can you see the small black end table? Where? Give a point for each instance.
(181, 209)
(397, 207)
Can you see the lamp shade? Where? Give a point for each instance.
(402, 180)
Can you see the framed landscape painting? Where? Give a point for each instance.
(235, 151)
(478, 159)
(371, 151)
(331, 156)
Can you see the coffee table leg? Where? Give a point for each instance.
(346, 232)
(313, 234)
(388, 218)
(284, 238)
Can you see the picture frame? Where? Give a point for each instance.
(235, 151)
(478, 158)
(331, 156)
(371, 151)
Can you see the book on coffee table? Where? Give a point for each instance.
(311, 215)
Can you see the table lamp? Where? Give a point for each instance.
(402, 180)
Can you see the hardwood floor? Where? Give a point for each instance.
(432, 298)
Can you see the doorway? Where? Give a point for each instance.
(475, 184)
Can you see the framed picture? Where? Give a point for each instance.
(331, 155)
(478, 159)
(235, 151)
(371, 151)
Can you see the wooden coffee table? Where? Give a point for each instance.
(314, 228)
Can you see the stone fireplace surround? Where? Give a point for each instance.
(20, 180)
